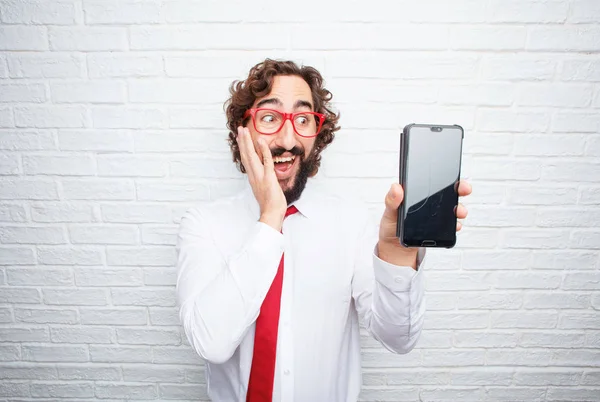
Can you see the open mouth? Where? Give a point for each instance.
(283, 165)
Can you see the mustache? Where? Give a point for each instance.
(296, 150)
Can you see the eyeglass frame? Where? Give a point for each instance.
(286, 116)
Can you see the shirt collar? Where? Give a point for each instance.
(307, 204)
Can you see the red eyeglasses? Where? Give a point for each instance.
(270, 121)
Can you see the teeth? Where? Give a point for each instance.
(279, 159)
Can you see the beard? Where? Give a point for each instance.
(306, 166)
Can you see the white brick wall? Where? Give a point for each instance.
(111, 125)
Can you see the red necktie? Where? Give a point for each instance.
(262, 372)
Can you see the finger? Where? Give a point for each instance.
(266, 156)
(464, 188)
(247, 149)
(461, 211)
(458, 226)
(392, 201)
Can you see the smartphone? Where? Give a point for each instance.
(430, 163)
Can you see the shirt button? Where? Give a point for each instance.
(286, 372)
(398, 280)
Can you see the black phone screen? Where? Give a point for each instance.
(431, 175)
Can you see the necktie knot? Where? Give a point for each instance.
(291, 210)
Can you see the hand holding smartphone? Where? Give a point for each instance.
(430, 163)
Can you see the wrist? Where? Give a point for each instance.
(272, 219)
(396, 254)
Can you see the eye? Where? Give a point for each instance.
(302, 120)
(268, 118)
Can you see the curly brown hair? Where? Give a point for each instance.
(259, 84)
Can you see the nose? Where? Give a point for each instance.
(286, 137)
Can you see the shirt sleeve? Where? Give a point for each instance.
(219, 296)
(389, 298)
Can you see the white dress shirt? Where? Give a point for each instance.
(227, 261)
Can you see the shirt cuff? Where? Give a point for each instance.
(397, 277)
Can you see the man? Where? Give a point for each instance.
(272, 282)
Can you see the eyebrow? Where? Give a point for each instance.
(277, 102)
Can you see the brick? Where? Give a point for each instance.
(441, 302)
(97, 372)
(28, 334)
(381, 359)
(59, 212)
(17, 256)
(9, 353)
(178, 91)
(555, 95)
(534, 238)
(556, 300)
(354, 36)
(195, 376)
(450, 260)
(164, 316)
(128, 117)
(95, 140)
(216, 65)
(581, 280)
(542, 195)
(482, 376)
(26, 371)
(121, 65)
(18, 37)
(124, 166)
(66, 390)
(567, 217)
(527, 280)
(121, 316)
(153, 373)
(87, 38)
(160, 276)
(179, 141)
(480, 216)
(500, 120)
(519, 319)
(213, 36)
(143, 297)
(460, 320)
(81, 335)
(70, 256)
(138, 213)
(26, 140)
(175, 355)
(483, 95)
(97, 91)
(515, 11)
(219, 167)
(590, 378)
(495, 260)
(511, 394)
(572, 394)
(108, 277)
(6, 315)
(390, 66)
(46, 65)
(75, 297)
(98, 189)
(519, 357)
(477, 238)
(12, 213)
(445, 358)
(540, 339)
(52, 354)
(569, 357)
(22, 93)
(585, 239)
(487, 37)
(32, 235)
(485, 339)
(58, 165)
(141, 256)
(579, 320)
(24, 276)
(405, 377)
(126, 391)
(50, 116)
(120, 354)
(171, 391)
(568, 122)
(28, 189)
(46, 316)
(489, 301)
(549, 145)
(564, 259)
(39, 12)
(206, 117)
(105, 234)
(9, 164)
(389, 394)
(581, 70)
(172, 191)
(555, 38)
(14, 389)
(122, 12)
(3, 67)
(451, 281)
(584, 11)
(159, 235)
